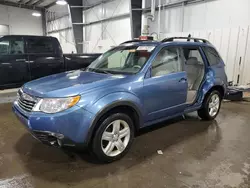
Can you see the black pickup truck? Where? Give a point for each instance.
(25, 58)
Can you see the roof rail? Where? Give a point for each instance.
(188, 39)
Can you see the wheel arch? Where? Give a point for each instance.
(126, 107)
(219, 88)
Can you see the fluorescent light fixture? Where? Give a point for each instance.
(36, 14)
(61, 2)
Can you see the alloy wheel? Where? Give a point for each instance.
(115, 138)
(214, 104)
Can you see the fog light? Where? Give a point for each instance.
(57, 135)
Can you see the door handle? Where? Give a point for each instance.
(5, 63)
(9, 65)
(29, 61)
(18, 60)
(183, 80)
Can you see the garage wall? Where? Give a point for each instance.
(61, 28)
(101, 36)
(223, 22)
(4, 30)
(204, 15)
(20, 21)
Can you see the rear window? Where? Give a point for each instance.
(212, 55)
(40, 45)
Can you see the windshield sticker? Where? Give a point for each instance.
(146, 48)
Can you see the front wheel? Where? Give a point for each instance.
(211, 106)
(113, 138)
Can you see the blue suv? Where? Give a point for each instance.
(131, 86)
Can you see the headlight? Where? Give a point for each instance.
(54, 105)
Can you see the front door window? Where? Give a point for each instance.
(166, 62)
(11, 47)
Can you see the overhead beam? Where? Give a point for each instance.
(31, 2)
(38, 2)
(80, 6)
(96, 4)
(59, 30)
(21, 1)
(58, 17)
(8, 3)
(174, 4)
(104, 20)
(84, 7)
(50, 5)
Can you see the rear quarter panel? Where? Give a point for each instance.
(213, 77)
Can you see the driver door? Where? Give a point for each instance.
(165, 90)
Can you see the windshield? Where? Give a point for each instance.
(122, 60)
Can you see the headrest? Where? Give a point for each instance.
(192, 61)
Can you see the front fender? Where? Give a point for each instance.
(110, 101)
(116, 99)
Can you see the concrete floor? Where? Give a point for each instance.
(195, 154)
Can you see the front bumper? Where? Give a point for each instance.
(69, 128)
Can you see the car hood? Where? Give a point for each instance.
(68, 83)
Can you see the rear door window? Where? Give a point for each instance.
(39, 45)
(212, 55)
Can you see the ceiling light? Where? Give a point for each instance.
(36, 14)
(61, 2)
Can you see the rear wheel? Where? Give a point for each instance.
(113, 138)
(211, 106)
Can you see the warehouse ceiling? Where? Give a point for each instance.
(41, 4)
(29, 3)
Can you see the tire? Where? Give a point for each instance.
(107, 136)
(205, 112)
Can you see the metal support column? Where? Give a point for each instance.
(136, 18)
(44, 22)
(76, 17)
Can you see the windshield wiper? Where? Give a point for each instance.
(104, 71)
(99, 71)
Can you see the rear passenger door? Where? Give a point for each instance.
(43, 57)
(14, 71)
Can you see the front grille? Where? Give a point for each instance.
(25, 101)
